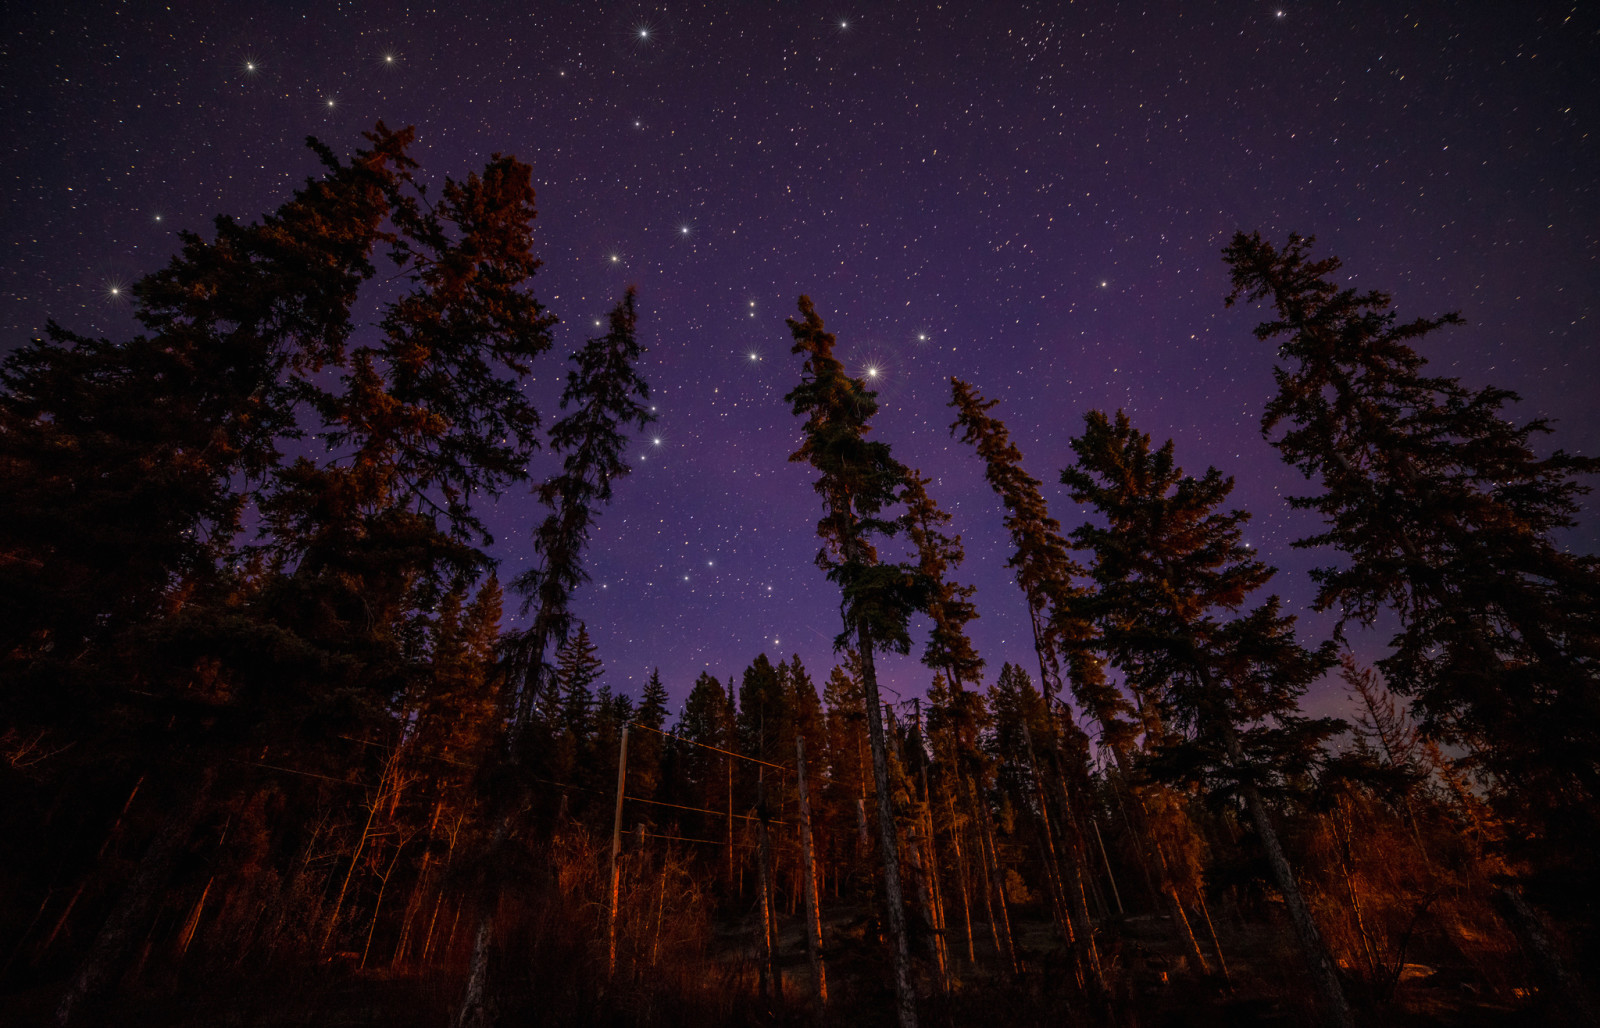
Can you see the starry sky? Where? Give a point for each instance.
(1029, 196)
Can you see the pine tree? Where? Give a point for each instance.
(858, 479)
(607, 395)
(645, 747)
(1173, 575)
(1045, 572)
(1444, 513)
(578, 668)
(1044, 568)
(120, 462)
(950, 606)
(764, 714)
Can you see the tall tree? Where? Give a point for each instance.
(1044, 568)
(1173, 576)
(858, 479)
(607, 395)
(950, 605)
(121, 462)
(1444, 513)
(1045, 572)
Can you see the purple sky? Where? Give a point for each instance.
(1031, 197)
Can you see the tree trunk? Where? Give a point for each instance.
(994, 893)
(961, 876)
(819, 975)
(905, 992)
(100, 967)
(772, 974)
(1334, 1007)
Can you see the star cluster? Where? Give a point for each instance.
(1031, 197)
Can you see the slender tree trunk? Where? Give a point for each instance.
(1211, 931)
(1335, 1008)
(377, 905)
(905, 992)
(355, 857)
(1101, 842)
(192, 923)
(616, 850)
(994, 893)
(819, 974)
(773, 974)
(99, 968)
(961, 876)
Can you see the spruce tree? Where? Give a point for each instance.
(1044, 568)
(858, 479)
(606, 394)
(1173, 578)
(1444, 513)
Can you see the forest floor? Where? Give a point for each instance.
(1157, 988)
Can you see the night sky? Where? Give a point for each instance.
(1031, 197)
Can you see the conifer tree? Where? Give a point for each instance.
(120, 462)
(950, 605)
(1173, 577)
(606, 394)
(1045, 572)
(857, 480)
(578, 668)
(645, 748)
(1444, 513)
(1044, 568)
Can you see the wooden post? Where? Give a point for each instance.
(616, 848)
(819, 974)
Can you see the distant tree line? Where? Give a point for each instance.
(268, 748)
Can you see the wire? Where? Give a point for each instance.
(691, 742)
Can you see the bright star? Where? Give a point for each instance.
(872, 372)
(844, 24)
(656, 440)
(684, 230)
(644, 33)
(922, 337)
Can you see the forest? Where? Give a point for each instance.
(277, 745)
